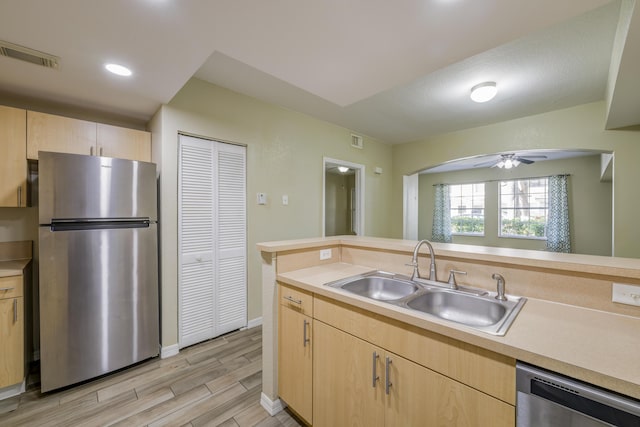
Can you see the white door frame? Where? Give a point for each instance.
(360, 170)
(410, 206)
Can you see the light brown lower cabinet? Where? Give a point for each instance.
(295, 361)
(11, 331)
(358, 384)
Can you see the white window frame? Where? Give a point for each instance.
(517, 236)
(484, 211)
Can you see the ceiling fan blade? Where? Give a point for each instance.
(532, 157)
(525, 161)
(484, 164)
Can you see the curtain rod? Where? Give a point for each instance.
(498, 180)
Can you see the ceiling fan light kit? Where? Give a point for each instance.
(484, 92)
(508, 163)
(511, 160)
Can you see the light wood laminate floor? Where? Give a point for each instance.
(215, 383)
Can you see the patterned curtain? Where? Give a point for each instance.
(441, 215)
(558, 236)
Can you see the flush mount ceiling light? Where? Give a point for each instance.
(343, 169)
(118, 69)
(484, 92)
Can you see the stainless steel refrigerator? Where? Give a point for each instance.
(98, 266)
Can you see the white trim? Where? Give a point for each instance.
(272, 406)
(254, 323)
(169, 351)
(14, 390)
(410, 194)
(360, 175)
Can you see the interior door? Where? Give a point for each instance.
(212, 239)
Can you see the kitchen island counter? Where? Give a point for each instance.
(594, 346)
(569, 323)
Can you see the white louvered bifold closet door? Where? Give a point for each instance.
(231, 238)
(212, 289)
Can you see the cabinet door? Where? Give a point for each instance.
(421, 397)
(344, 389)
(295, 359)
(123, 143)
(47, 132)
(12, 339)
(13, 169)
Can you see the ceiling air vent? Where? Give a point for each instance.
(28, 55)
(356, 141)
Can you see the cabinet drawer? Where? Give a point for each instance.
(296, 299)
(10, 287)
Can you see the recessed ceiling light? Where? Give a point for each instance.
(484, 92)
(118, 69)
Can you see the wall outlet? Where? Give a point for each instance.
(626, 294)
(325, 254)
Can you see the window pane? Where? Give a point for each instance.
(467, 208)
(523, 207)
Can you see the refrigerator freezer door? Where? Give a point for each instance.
(73, 186)
(98, 302)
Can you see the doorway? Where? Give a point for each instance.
(343, 198)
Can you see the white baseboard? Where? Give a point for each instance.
(169, 350)
(271, 406)
(13, 390)
(253, 323)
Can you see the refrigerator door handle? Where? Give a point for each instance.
(90, 224)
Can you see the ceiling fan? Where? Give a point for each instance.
(510, 160)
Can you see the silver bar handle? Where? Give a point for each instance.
(375, 377)
(6, 289)
(387, 372)
(293, 300)
(20, 196)
(15, 310)
(304, 333)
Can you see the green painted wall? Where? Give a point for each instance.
(285, 153)
(589, 198)
(580, 127)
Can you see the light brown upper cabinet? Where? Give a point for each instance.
(48, 132)
(13, 170)
(123, 143)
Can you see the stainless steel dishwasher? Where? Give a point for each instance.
(547, 399)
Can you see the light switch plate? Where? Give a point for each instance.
(285, 199)
(262, 199)
(325, 254)
(626, 294)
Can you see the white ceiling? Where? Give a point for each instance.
(397, 71)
